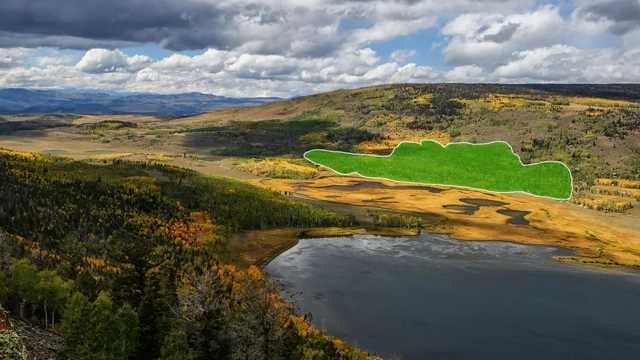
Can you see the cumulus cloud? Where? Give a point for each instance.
(222, 72)
(621, 16)
(287, 27)
(13, 57)
(97, 61)
(466, 73)
(488, 39)
(295, 47)
(261, 66)
(502, 34)
(561, 63)
(402, 55)
(547, 63)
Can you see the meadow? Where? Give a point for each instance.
(491, 166)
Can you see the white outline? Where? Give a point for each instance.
(446, 185)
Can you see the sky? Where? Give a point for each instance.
(295, 47)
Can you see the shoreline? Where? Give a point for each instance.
(287, 238)
(598, 239)
(259, 247)
(577, 257)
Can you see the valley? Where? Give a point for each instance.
(160, 213)
(598, 138)
(319, 180)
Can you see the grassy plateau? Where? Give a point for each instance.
(490, 166)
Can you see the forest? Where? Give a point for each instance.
(129, 260)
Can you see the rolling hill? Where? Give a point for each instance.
(595, 133)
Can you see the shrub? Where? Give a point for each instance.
(603, 203)
(624, 183)
(443, 105)
(11, 346)
(345, 137)
(616, 191)
(392, 220)
(278, 169)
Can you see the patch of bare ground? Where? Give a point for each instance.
(41, 344)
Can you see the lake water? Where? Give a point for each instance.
(431, 297)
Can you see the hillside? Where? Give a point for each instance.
(594, 129)
(596, 136)
(596, 133)
(134, 260)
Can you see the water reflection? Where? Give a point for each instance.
(431, 297)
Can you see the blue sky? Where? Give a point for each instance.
(427, 43)
(294, 47)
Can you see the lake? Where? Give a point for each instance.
(432, 297)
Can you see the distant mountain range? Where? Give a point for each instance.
(14, 100)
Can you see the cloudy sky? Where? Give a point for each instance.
(293, 47)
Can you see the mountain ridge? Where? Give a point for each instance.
(30, 101)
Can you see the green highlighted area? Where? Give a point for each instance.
(491, 166)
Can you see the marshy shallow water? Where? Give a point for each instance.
(431, 297)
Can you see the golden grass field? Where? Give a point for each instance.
(279, 168)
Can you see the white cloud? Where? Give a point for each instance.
(412, 73)
(261, 66)
(561, 63)
(211, 61)
(488, 39)
(542, 64)
(402, 55)
(294, 47)
(215, 71)
(466, 73)
(97, 61)
(13, 57)
(137, 62)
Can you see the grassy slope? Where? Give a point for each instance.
(488, 166)
(595, 137)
